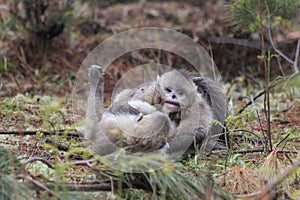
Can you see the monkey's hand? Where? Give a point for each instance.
(95, 76)
(142, 106)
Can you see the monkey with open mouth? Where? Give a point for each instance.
(166, 115)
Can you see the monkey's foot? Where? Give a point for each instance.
(95, 76)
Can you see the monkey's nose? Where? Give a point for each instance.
(173, 96)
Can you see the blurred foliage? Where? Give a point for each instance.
(45, 19)
(111, 2)
(42, 20)
(33, 25)
(244, 14)
(8, 163)
(10, 187)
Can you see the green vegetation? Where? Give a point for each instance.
(44, 156)
(245, 14)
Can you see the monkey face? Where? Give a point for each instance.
(176, 91)
(174, 99)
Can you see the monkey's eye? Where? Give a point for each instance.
(168, 90)
(180, 93)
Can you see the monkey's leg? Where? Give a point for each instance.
(95, 99)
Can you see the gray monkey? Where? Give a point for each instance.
(190, 102)
(134, 125)
(171, 112)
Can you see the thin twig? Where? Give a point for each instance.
(236, 41)
(261, 150)
(280, 66)
(260, 125)
(46, 162)
(271, 38)
(251, 132)
(295, 62)
(257, 150)
(266, 66)
(13, 77)
(251, 102)
(297, 57)
(83, 162)
(275, 49)
(39, 185)
(282, 140)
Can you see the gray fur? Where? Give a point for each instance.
(119, 127)
(163, 113)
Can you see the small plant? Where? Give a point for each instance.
(249, 16)
(244, 14)
(5, 66)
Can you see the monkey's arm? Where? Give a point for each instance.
(183, 136)
(180, 139)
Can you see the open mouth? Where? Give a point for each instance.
(171, 104)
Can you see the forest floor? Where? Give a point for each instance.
(39, 126)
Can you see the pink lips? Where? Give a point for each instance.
(171, 104)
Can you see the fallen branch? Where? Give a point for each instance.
(84, 162)
(41, 159)
(105, 185)
(49, 164)
(40, 185)
(257, 150)
(108, 185)
(74, 133)
(261, 150)
(236, 41)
